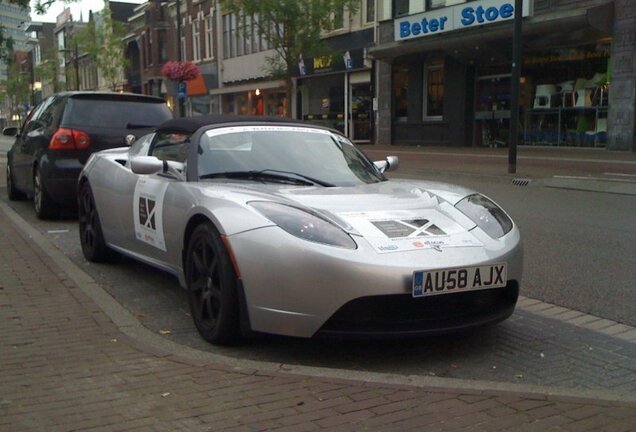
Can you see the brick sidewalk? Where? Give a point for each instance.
(65, 366)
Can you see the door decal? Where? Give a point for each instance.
(148, 211)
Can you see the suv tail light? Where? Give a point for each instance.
(69, 139)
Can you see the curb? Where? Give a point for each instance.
(147, 341)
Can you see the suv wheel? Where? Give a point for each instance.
(45, 207)
(12, 192)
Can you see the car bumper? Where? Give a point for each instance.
(59, 178)
(298, 288)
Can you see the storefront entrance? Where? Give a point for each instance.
(361, 98)
(341, 101)
(492, 111)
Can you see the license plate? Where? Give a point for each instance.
(447, 281)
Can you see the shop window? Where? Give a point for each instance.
(434, 91)
(400, 7)
(275, 104)
(229, 104)
(435, 4)
(400, 92)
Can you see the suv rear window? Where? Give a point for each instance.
(120, 114)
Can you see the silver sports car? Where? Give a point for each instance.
(282, 227)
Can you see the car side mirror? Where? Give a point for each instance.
(10, 131)
(147, 165)
(391, 163)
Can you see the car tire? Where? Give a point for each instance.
(13, 193)
(212, 286)
(45, 207)
(92, 240)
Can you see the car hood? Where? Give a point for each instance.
(394, 215)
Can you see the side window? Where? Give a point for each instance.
(171, 146)
(31, 123)
(51, 114)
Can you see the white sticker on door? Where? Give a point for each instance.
(148, 211)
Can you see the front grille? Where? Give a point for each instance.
(403, 314)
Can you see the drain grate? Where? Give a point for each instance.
(521, 181)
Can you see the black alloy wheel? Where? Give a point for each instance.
(94, 247)
(13, 193)
(211, 285)
(45, 207)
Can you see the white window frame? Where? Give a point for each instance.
(196, 40)
(344, 18)
(209, 36)
(227, 36)
(184, 53)
(366, 9)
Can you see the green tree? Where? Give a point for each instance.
(292, 28)
(103, 42)
(16, 88)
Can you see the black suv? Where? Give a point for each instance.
(60, 134)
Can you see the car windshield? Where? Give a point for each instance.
(316, 156)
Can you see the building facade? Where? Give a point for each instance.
(444, 70)
(42, 47)
(155, 38)
(14, 20)
(337, 90)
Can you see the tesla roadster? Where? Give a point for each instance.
(276, 226)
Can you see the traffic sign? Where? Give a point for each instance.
(181, 90)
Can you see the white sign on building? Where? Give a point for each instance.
(465, 15)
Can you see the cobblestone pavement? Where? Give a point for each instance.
(65, 365)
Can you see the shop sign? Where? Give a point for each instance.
(350, 60)
(565, 55)
(323, 64)
(466, 15)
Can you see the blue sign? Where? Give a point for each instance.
(181, 90)
(457, 17)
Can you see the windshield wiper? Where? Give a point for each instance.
(300, 176)
(271, 175)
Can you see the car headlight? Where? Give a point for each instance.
(486, 214)
(304, 225)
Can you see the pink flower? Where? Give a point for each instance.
(180, 71)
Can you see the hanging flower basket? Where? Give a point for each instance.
(180, 71)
